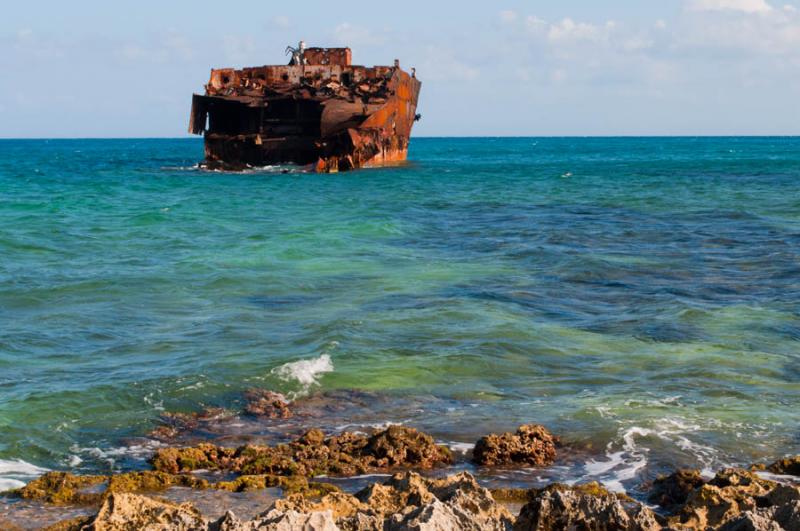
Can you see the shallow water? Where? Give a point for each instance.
(640, 297)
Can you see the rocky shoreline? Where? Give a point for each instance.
(411, 495)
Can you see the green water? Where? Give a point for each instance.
(638, 295)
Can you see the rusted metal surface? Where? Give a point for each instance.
(323, 112)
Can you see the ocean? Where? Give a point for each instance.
(640, 297)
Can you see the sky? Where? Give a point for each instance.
(91, 68)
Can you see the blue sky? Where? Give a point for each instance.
(618, 67)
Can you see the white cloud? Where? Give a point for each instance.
(745, 6)
(569, 31)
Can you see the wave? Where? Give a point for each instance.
(14, 473)
(627, 457)
(305, 372)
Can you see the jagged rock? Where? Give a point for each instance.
(778, 518)
(732, 491)
(313, 454)
(267, 404)
(789, 466)
(127, 512)
(294, 521)
(587, 507)
(405, 502)
(671, 492)
(531, 445)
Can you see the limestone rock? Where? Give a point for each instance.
(531, 445)
(128, 512)
(406, 502)
(732, 492)
(559, 507)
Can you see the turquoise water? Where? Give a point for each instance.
(640, 297)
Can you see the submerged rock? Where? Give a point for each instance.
(672, 491)
(266, 404)
(63, 488)
(585, 507)
(175, 424)
(531, 445)
(313, 454)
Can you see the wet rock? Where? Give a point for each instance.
(289, 485)
(398, 446)
(8, 526)
(313, 454)
(589, 507)
(789, 466)
(62, 488)
(73, 524)
(672, 491)
(124, 512)
(531, 445)
(150, 481)
(267, 404)
(203, 456)
(732, 492)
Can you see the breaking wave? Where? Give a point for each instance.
(14, 473)
(626, 457)
(305, 372)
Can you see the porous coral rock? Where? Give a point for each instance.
(530, 445)
(129, 512)
(562, 508)
(313, 454)
(731, 492)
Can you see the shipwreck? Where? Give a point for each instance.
(319, 110)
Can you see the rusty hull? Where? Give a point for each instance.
(325, 112)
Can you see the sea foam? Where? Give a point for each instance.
(304, 372)
(15, 472)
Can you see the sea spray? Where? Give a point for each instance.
(305, 372)
(15, 472)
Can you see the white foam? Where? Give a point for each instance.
(461, 447)
(304, 372)
(621, 465)
(625, 458)
(9, 484)
(15, 472)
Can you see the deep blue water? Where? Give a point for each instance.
(639, 295)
